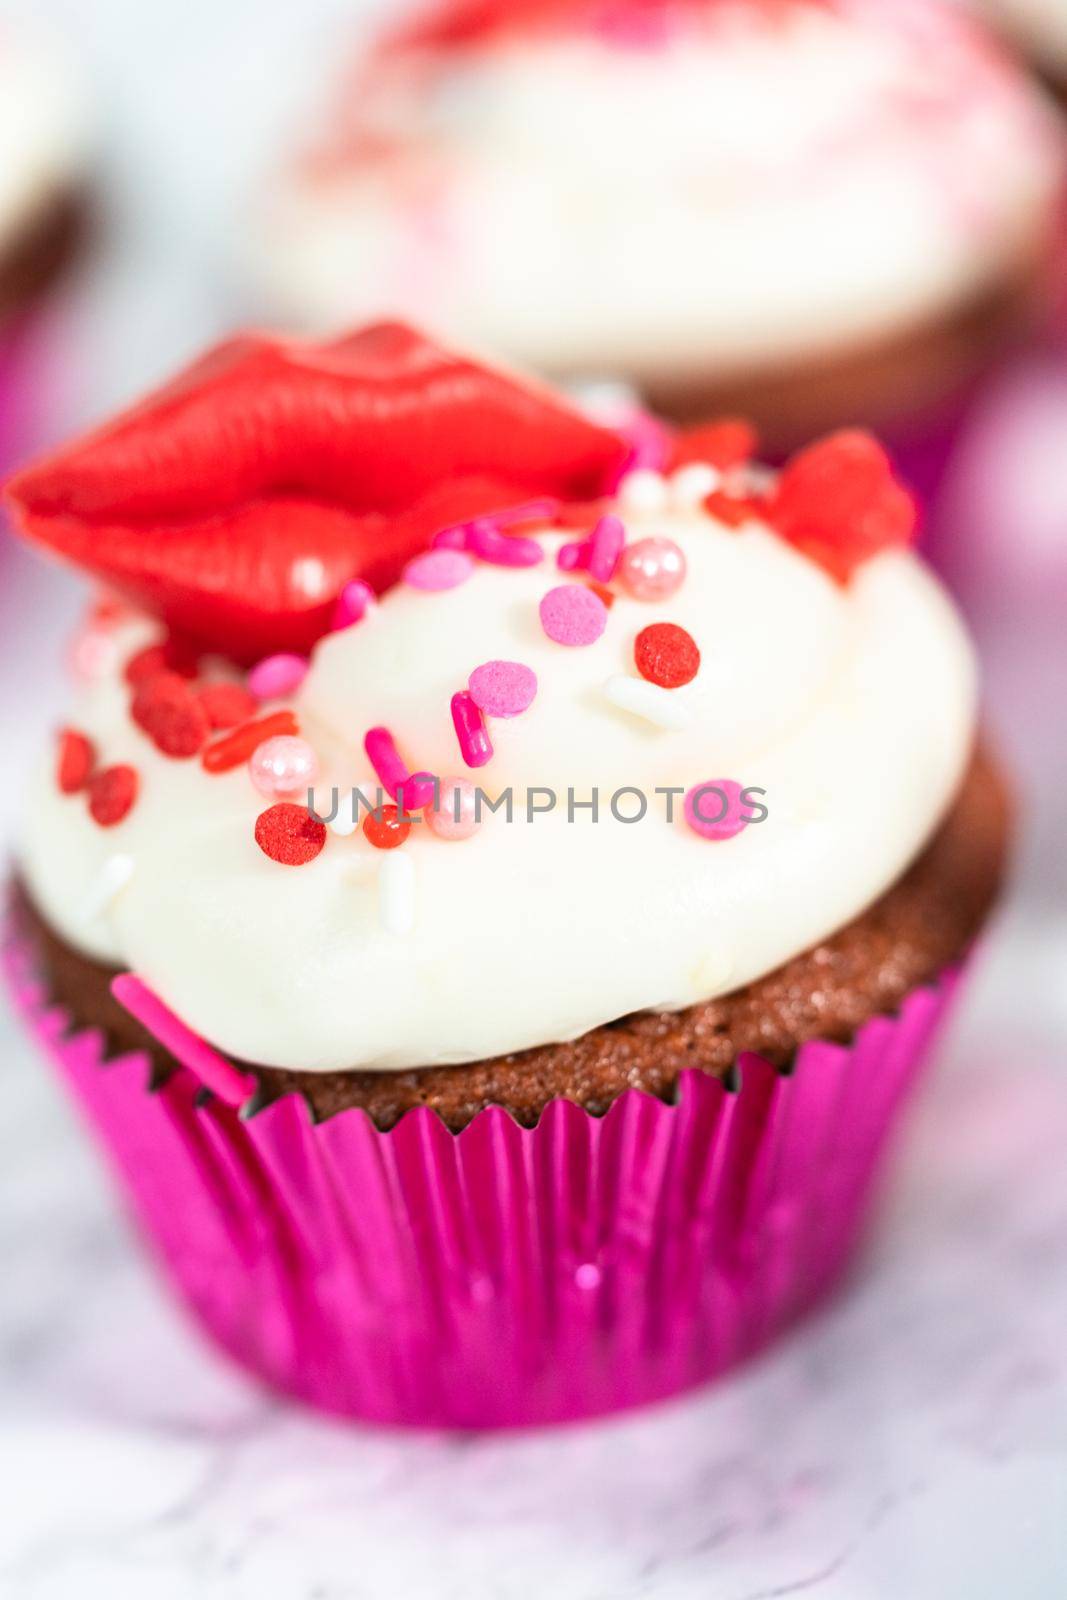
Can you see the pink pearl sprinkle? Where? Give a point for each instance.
(455, 817)
(503, 688)
(573, 615)
(353, 603)
(439, 569)
(474, 743)
(715, 810)
(651, 569)
(384, 757)
(277, 676)
(283, 766)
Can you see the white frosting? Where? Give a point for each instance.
(757, 190)
(853, 708)
(43, 127)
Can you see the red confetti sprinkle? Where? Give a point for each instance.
(667, 655)
(731, 509)
(225, 754)
(170, 656)
(385, 831)
(112, 793)
(167, 709)
(227, 704)
(289, 834)
(839, 503)
(727, 442)
(602, 592)
(75, 761)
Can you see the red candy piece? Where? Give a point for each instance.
(112, 792)
(727, 442)
(225, 754)
(385, 831)
(227, 704)
(733, 510)
(839, 503)
(667, 655)
(169, 712)
(170, 656)
(237, 502)
(289, 834)
(75, 761)
(601, 591)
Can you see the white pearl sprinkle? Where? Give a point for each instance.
(114, 875)
(396, 892)
(657, 705)
(691, 485)
(643, 491)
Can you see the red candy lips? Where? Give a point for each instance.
(237, 501)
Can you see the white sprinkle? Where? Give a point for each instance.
(396, 892)
(643, 491)
(657, 705)
(691, 485)
(114, 875)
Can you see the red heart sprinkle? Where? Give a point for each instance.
(667, 655)
(839, 503)
(155, 658)
(724, 443)
(169, 712)
(731, 509)
(289, 834)
(385, 831)
(227, 704)
(75, 761)
(112, 793)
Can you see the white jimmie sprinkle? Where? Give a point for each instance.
(658, 706)
(114, 875)
(396, 893)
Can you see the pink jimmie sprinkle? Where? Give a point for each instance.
(598, 554)
(439, 569)
(277, 676)
(417, 791)
(353, 603)
(474, 743)
(573, 615)
(503, 688)
(502, 549)
(213, 1070)
(385, 758)
(715, 809)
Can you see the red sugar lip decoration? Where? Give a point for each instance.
(168, 710)
(112, 793)
(666, 654)
(74, 761)
(289, 834)
(238, 501)
(839, 503)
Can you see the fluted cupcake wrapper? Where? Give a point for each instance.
(502, 1275)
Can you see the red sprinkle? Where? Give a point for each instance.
(75, 761)
(227, 704)
(112, 793)
(601, 591)
(667, 655)
(385, 831)
(169, 712)
(225, 754)
(725, 443)
(731, 509)
(170, 656)
(289, 834)
(839, 503)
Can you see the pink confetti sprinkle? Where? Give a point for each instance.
(353, 603)
(439, 569)
(474, 743)
(213, 1070)
(277, 676)
(503, 688)
(715, 809)
(385, 758)
(573, 615)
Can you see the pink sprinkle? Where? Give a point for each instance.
(715, 810)
(213, 1070)
(439, 569)
(384, 757)
(353, 603)
(503, 688)
(417, 791)
(277, 676)
(474, 744)
(573, 615)
(649, 444)
(598, 554)
(501, 549)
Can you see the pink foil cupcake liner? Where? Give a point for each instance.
(504, 1275)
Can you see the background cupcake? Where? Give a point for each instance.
(1040, 27)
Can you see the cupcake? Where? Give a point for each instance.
(812, 212)
(491, 899)
(43, 158)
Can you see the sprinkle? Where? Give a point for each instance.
(601, 592)
(226, 704)
(236, 748)
(396, 894)
(667, 655)
(733, 510)
(167, 710)
(714, 810)
(284, 765)
(643, 491)
(598, 554)
(170, 656)
(691, 485)
(385, 829)
(456, 817)
(277, 676)
(213, 1070)
(727, 442)
(417, 791)
(439, 569)
(656, 705)
(353, 603)
(652, 569)
(573, 615)
(113, 876)
(75, 761)
(502, 549)
(346, 821)
(474, 743)
(463, 535)
(112, 793)
(385, 758)
(503, 688)
(289, 834)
